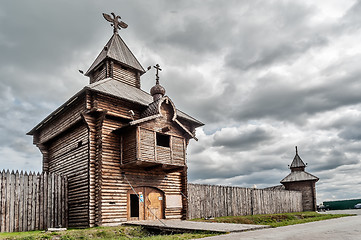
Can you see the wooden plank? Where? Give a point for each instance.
(2, 200)
(33, 202)
(38, 201)
(8, 199)
(25, 201)
(17, 201)
(59, 205)
(29, 201)
(12, 202)
(41, 202)
(21, 201)
(52, 201)
(46, 203)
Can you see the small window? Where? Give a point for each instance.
(163, 140)
(80, 143)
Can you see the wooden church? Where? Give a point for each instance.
(123, 149)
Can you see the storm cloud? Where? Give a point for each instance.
(264, 76)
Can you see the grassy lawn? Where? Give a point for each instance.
(276, 220)
(101, 233)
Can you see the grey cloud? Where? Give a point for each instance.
(351, 133)
(332, 160)
(351, 20)
(242, 141)
(218, 61)
(286, 29)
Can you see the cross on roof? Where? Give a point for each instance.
(157, 74)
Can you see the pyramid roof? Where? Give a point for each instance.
(117, 50)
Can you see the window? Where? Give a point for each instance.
(163, 140)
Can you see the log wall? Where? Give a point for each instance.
(62, 121)
(114, 185)
(115, 188)
(32, 201)
(218, 201)
(308, 190)
(98, 74)
(69, 155)
(116, 107)
(125, 75)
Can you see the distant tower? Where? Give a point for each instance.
(300, 180)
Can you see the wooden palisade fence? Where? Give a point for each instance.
(217, 201)
(32, 201)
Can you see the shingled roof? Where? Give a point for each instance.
(116, 49)
(299, 176)
(298, 172)
(121, 90)
(117, 89)
(297, 161)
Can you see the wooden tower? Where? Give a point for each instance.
(123, 149)
(300, 180)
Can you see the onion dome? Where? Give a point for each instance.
(157, 91)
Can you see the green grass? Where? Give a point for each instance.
(127, 232)
(276, 220)
(101, 233)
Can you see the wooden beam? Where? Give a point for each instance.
(154, 167)
(175, 169)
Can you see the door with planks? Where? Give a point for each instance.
(146, 203)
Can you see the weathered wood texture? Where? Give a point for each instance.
(308, 190)
(32, 201)
(115, 188)
(68, 155)
(218, 201)
(62, 121)
(112, 196)
(125, 75)
(99, 73)
(146, 148)
(115, 107)
(117, 72)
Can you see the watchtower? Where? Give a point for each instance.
(123, 149)
(300, 180)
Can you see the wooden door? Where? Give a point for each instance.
(154, 204)
(146, 203)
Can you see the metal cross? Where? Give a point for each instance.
(115, 20)
(157, 74)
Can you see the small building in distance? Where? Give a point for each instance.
(122, 149)
(300, 180)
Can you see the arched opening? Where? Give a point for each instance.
(145, 203)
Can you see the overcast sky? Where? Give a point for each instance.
(264, 76)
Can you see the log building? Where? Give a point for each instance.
(123, 149)
(300, 180)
